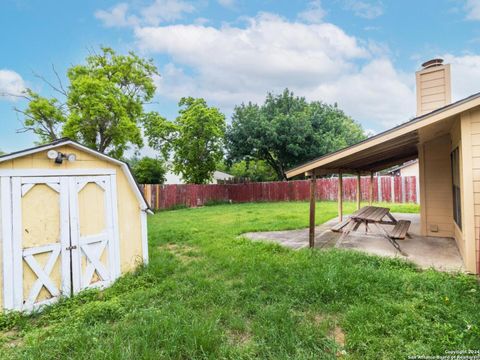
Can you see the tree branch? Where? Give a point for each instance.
(59, 81)
(20, 96)
(41, 77)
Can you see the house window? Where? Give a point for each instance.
(457, 212)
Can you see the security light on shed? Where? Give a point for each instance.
(52, 154)
(59, 157)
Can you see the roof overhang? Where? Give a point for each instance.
(390, 148)
(68, 142)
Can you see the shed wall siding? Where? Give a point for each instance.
(129, 213)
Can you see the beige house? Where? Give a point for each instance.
(445, 137)
(71, 219)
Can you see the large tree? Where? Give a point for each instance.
(194, 140)
(287, 130)
(102, 106)
(148, 170)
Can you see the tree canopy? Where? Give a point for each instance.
(194, 140)
(149, 170)
(286, 131)
(102, 106)
(249, 169)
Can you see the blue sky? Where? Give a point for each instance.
(361, 54)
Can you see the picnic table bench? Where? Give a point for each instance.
(374, 215)
(400, 231)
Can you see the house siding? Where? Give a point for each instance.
(433, 88)
(471, 134)
(436, 197)
(456, 136)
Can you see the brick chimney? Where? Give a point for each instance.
(433, 86)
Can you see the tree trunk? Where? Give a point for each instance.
(275, 166)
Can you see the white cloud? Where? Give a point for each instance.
(465, 74)
(269, 47)
(201, 21)
(160, 11)
(376, 93)
(165, 11)
(174, 83)
(473, 9)
(227, 3)
(116, 16)
(365, 9)
(230, 65)
(314, 12)
(11, 84)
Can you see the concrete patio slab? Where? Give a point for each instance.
(427, 252)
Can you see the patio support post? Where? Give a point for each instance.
(359, 191)
(370, 198)
(311, 234)
(340, 196)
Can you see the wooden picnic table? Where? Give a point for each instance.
(374, 215)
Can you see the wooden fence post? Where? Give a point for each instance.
(370, 194)
(359, 191)
(392, 189)
(379, 188)
(313, 186)
(340, 196)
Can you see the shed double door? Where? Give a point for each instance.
(63, 237)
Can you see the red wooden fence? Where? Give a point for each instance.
(385, 188)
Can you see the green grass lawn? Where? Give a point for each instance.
(209, 294)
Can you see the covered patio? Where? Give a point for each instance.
(432, 237)
(366, 158)
(445, 138)
(426, 252)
